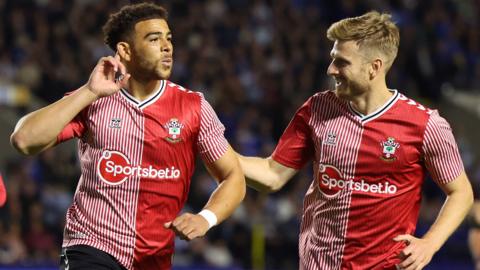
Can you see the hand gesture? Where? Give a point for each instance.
(417, 254)
(102, 80)
(188, 226)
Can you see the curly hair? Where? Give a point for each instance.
(120, 25)
(372, 30)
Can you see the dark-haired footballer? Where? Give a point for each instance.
(138, 139)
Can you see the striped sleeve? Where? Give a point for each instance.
(442, 157)
(211, 141)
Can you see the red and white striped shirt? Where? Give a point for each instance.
(137, 158)
(368, 174)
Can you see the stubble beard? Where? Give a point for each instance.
(161, 72)
(349, 90)
(153, 72)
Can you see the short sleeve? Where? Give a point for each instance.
(295, 147)
(211, 140)
(441, 154)
(75, 128)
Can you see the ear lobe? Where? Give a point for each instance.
(371, 72)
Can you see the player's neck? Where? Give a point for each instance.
(142, 90)
(372, 99)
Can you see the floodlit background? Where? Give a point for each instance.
(256, 62)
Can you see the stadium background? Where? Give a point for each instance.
(256, 62)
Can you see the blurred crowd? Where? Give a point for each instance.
(256, 62)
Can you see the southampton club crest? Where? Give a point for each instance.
(174, 128)
(388, 149)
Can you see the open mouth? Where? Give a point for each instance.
(338, 82)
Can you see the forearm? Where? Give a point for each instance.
(39, 129)
(228, 195)
(259, 174)
(451, 215)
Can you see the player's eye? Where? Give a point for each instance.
(340, 63)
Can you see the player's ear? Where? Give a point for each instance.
(124, 51)
(375, 68)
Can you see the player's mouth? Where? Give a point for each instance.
(339, 82)
(167, 61)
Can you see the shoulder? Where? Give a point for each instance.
(326, 98)
(324, 102)
(414, 111)
(184, 92)
(193, 101)
(413, 106)
(325, 95)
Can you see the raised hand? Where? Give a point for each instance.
(102, 80)
(188, 226)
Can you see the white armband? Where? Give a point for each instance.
(210, 217)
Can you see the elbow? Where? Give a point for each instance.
(272, 187)
(262, 187)
(465, 195)
(19, 141)
(243, 191)
(471, 199)
(265, 187)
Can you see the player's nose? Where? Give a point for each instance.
(166, 46)
(332, 70)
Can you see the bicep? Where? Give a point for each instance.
(221, 168)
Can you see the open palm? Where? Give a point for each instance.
(102, 80)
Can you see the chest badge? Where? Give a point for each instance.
(331, 138)
(389, 147)
(115, 123)
(174, 128)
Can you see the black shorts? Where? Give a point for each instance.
(82, 257)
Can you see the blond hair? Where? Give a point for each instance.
(372, 30)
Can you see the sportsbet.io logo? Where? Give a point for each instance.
(331, 182)
(114, 168)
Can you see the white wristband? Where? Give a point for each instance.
(210, 217)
